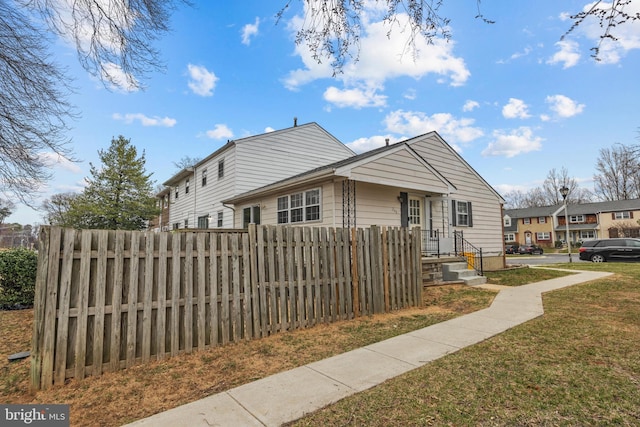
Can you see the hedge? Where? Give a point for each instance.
(17, 278)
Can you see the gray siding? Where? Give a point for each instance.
(487, 213)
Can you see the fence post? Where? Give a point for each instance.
(39, 306)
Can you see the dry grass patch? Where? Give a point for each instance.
(119, 397)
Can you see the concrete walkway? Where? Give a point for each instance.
(289, 395)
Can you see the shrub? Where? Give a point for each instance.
(17, 278)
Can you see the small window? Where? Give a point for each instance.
(186, 223)
(576, 218)
(186, 186)
(415, 211)
(542, 220)
(166, 201)
(507, 221)
(176, 225)
(177, 192)
(526, 221)
(283, 210)
(204, 177)
(622, 215)
(220, 219)
(462, 213)
(509, 237)
(543, 236)
(221, 168)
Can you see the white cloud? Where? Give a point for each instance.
(202, 81)
(356, 98)
(382, 57)
(453, 129)
(513, 143)
(470, 105)
(568, 54)
(55, 160)
(220, 132)
(250, 30)
(146, 121)
(268, 129)
(362, 145)
(515, 109)
(563, 106)
(410, 94)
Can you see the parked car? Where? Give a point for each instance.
(530, 250)
(511, 249)
(601, 250)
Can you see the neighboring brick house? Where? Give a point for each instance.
(547, 224)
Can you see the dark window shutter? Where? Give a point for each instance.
(454, 214)
(404, 210)
(613, 215)
(470, 214)
(631, 214)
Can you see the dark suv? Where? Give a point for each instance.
(601, 250)
(530, 250)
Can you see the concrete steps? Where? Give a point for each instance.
(458, 271)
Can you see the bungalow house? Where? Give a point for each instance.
(418, 182)
(196, 193)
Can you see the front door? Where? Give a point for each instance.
(415, 212)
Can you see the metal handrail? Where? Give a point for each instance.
(462, 247)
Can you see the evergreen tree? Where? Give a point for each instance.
(119, 195)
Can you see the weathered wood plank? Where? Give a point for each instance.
(60, 366)
(386, 261)
(317, 283)
(100, 301)
(308, 268)
(340, 284)
(282, 284)
(346, 261)
(39, 308)
(299, 273)
(224, 294)
(246, 287)
(236, 312)
(132, 298)
(161, 323)
(214, 285)
(202, 289)
(176, 246)
(273, 296)
(262, 282)
(188, 293)
(116, 301)
(51, 299)
(83, 303)
(355, 279)
(255, 296)
(147, 296)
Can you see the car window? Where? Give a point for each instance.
(634, 243)
(617, 242)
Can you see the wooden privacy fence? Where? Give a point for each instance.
(106, 300)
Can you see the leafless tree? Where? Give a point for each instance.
(114, 40)
(618, 168)
(6, 209)
(332, 28)
(57, 207)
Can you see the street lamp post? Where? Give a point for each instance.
(564, 191)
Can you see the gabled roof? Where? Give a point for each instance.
(575, 209)
(231, 143)
(435, 134)
(341, 168)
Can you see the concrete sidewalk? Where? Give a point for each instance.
(289, 395)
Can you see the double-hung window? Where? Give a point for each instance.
(462, 213)
(204, 177)
(299, 207)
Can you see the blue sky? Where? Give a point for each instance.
(511, 97)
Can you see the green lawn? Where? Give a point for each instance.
(578, 365)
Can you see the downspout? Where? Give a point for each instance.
(233, 217)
